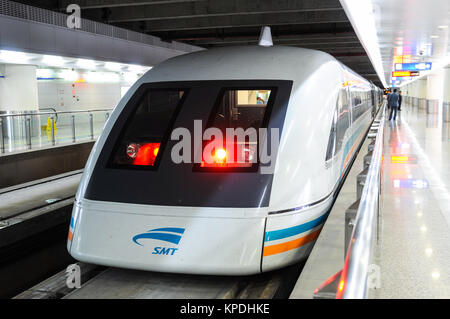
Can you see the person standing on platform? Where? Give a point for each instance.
(399, 100)
(393, 99)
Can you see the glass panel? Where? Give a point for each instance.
(240, 108)
(145, 130)
(343, 121)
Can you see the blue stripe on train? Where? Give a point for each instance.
(295, 230)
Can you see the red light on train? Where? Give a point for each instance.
(220, 155)
(222, 158)
(143, 154)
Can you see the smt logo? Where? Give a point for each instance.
(169, 234)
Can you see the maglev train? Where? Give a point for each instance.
(153, 198)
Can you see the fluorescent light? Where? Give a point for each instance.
(69, 75)
(86, 64)
(361, 16)
(136, 68)
(13, 57)
(434, 36)
(102, 77)
(44, 73)
(443, 27)
(113, 66)
(435, 275)
(53, 60)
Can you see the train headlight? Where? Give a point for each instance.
(132, 150)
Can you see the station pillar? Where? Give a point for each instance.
(446, 86)
(18, 95)
(435, 85)
(18, 88)
(417, 88)
(422, 88)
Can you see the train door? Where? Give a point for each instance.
(373, 100)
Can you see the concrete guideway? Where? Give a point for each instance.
(34, 221)
(98, 282)
(39, 194)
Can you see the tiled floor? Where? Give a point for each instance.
(414, 248)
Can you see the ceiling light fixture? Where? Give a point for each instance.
(86, 64)
(53, 60)
(113, 66)
(14, 57)
(362, 18)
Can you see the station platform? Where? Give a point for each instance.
(413, 252)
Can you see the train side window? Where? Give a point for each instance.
(343, 118)
(340, 124)
(331, 148)
(142, 140)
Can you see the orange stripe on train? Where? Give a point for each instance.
(281, 248)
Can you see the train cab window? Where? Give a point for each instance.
(343, 118)
(245, 111)
(331, 148)
(340, 124)
(357, 105)
(140, 143)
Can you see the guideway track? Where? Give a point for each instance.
(34, 219)
(115, 283)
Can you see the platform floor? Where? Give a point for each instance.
(327, 256)
(25, 197)
(413, 252)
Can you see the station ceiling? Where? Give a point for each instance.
(412, 31)
(321, 25)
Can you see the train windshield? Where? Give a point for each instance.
(238, 115)
(155, 148)
(142, 138)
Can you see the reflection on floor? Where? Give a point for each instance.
(414, 249)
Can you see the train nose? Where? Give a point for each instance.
(163, 241)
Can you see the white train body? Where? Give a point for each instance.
(180, 220)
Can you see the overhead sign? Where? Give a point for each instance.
(423, 66)
(404, 73)
(402, 58)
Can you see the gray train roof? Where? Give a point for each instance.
(241, 62)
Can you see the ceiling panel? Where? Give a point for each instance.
(321, 25)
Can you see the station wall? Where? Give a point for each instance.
(18, 88)
(66, 96)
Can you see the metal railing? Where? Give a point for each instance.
(353, 279)
(361, 220)
(28, 130)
